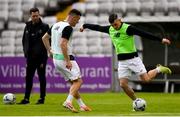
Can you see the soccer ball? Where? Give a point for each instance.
(139, 104)
(9, 98)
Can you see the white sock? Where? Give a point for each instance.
(80, 102)
(69, 98)
(158, 69)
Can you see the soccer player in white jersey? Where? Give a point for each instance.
(61, 51)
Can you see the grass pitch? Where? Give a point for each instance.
(103, 104)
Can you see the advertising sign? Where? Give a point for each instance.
(96, 75)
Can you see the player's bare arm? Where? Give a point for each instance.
(64, 48)
(46, 43)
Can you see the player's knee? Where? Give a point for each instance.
(123, 84)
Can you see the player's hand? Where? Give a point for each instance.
(50, 53)
(166, 41)
(68, 65)
(81, 29)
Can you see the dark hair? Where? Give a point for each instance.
(75, 12)
(112, 17)
(33, 10)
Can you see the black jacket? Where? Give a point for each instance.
(32, 39)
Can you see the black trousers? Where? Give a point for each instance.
(34, 63)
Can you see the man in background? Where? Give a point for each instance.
(35, 54)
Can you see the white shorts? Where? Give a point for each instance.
(126, 67)
(72, 74)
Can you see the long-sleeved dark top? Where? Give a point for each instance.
(32, 42)
(131, 30)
